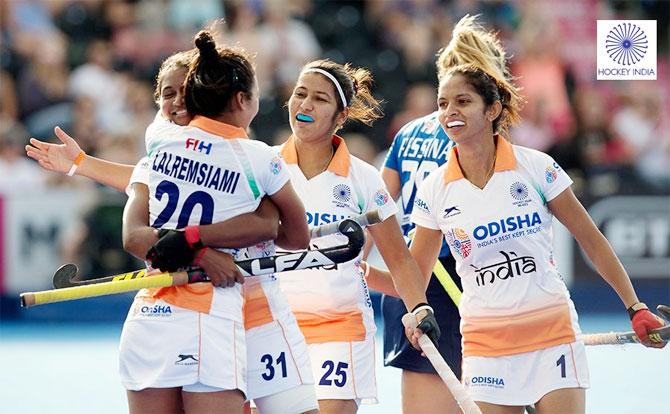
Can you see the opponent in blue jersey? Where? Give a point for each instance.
(418, 148)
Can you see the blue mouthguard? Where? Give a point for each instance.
(304, 118)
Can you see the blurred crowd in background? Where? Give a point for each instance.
(90, 66)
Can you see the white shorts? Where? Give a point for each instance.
(345, 370)
(296, 400)
(164, 346)
(277, 356)
(523, 379)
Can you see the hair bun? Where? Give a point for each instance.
(205, 44)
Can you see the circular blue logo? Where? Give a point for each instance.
(342, 193)
(626, 44)
(519, 191)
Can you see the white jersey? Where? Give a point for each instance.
(205, 173)
(514, 299)
(333, 305)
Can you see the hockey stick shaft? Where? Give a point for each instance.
(65, 280)
(305, 259)
(457, 390)
(620, 338)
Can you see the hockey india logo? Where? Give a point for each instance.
(342, 193)
(626, 44)
(519, 191)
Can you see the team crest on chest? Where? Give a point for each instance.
(519, 192)
(341, 195)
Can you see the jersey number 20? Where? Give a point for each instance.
(170, 189)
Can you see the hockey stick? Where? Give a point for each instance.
(66, 274)
(620, 338)
(366, 219)
(455, 387)
(305, 259)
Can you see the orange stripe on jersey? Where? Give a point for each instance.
(257, 310)
(338, 165)
(516, 334)
(345, 327)
(505, 160)
(196, 296)
(217, 128)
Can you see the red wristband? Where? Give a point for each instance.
(192, 235)
(199, 255)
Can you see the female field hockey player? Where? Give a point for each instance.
(202, 358)
(420, 147)
(340, 392)
(493, 202)
(332, 306)
(295, 392)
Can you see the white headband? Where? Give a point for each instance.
(332, 78)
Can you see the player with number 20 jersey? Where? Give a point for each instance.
(203, 173)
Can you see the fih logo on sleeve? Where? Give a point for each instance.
(626, 50)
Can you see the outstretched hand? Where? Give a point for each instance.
(54, 157)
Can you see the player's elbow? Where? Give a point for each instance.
(299, 241)
(271, 231)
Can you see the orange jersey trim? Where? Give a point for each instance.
(530, 331)
(196, 296)
(338, 165)
(344, 327)
(217, 128)
(257, 310)
(505, 160)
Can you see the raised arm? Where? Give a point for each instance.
(61, 157)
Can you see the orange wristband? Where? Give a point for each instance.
(76, 163)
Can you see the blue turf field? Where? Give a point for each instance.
(71, 368)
